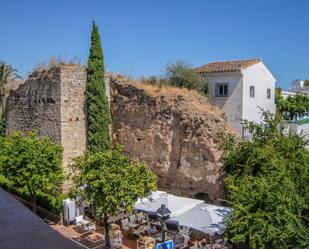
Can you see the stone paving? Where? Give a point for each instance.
(70, 233)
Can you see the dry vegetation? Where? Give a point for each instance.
(197, 101)
(55, 62)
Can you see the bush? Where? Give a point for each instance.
(2, 128)
(181, 74)
(267, 182)
(49, 202)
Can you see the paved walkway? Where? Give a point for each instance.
(70, 233)
(20, 228)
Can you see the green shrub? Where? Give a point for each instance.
(181, 74)
(2, 128)
(46, 201)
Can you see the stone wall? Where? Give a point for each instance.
(51, 103)
(35, 105)
(73, 115)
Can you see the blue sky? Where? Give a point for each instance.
(140, 36)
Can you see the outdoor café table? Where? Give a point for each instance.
(145, 242)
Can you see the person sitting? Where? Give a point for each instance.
(152, 230)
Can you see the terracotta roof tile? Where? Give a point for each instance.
(226, 66)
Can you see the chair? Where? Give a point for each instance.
(90, 226)
(151, 231)
(125, 224)
(120, 216)
(141, 218)
(184, 230)
(179, 242)
(112, 219)
(147, 228)
(132, 218)
(140, 230)
(80, 221)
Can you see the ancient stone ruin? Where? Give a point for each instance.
(175, 131)
(52, 103)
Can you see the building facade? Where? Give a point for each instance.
(243, 89)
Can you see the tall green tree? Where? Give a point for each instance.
(98, 114)
(111, 181)
(292, 106)
(267, 183)
(32, 163)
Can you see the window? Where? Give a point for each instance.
(222, 90)
(268, 93)
(252, 91)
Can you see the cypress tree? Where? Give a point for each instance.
(98, 115)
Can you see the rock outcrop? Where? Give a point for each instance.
(174, 131)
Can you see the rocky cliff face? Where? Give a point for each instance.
(175, 131)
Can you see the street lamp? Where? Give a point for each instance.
(163, 213)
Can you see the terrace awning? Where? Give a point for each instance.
(192, 213)
(176, 204)
(203, 217)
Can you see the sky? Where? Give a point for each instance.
(139, 37)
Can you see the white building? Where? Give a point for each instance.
(298, 86)
(300, 123)
(240, 88)
(286, 94)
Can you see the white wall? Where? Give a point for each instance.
(232, 105)
(286, 94)
(259, 76)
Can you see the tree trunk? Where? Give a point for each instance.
(106, 228)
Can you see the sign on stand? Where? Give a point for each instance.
(166, 245)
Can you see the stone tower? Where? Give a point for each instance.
(52, 103)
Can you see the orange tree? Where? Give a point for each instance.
(32, 163)
(111, 181)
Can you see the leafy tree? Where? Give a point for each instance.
(267, 182)
(181, 74)
(292, 106)
(7, 74)
(2, 128)
(32, 163)
(306, 83)
(98, 115)
(111, 181)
